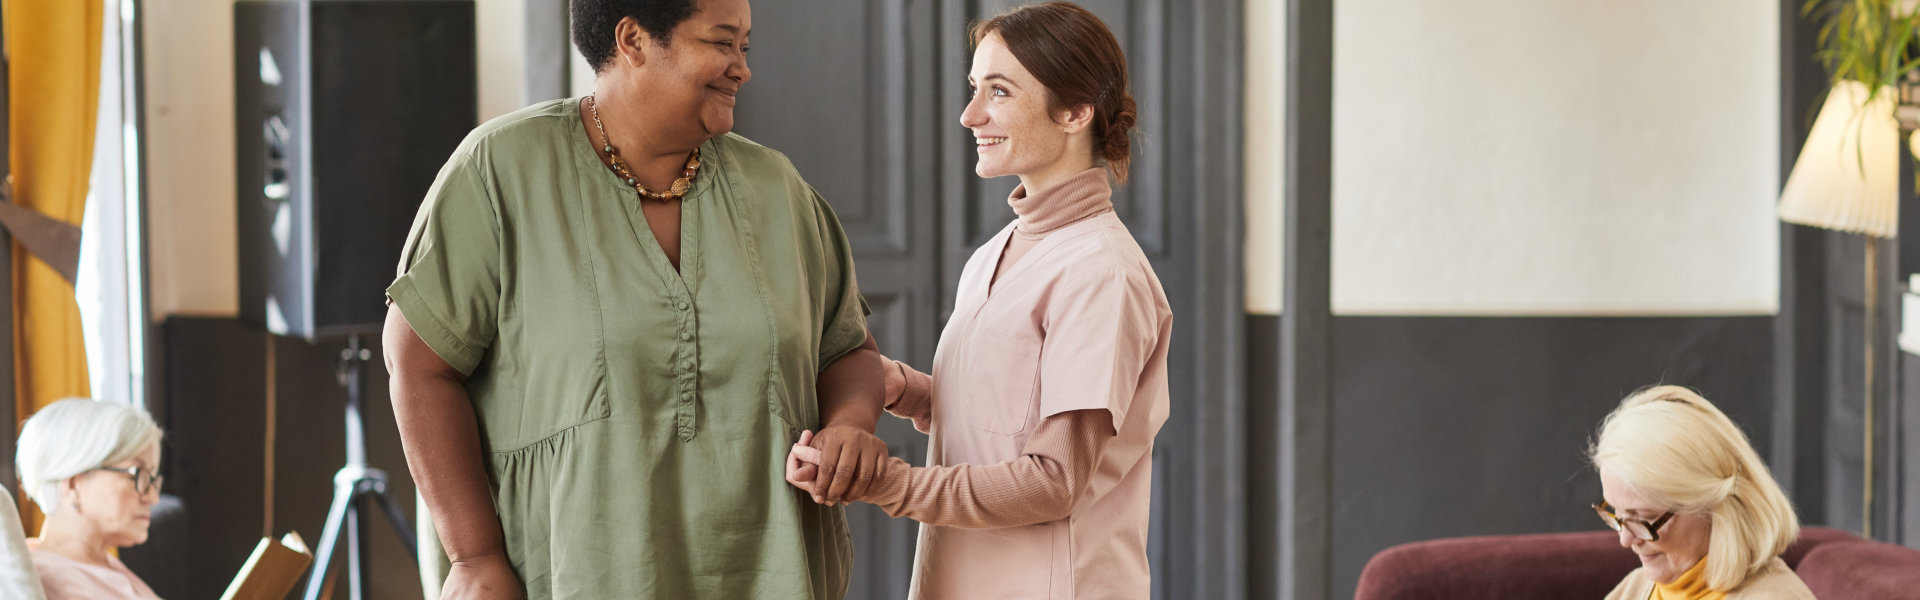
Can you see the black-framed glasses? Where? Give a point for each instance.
(144, 480)
(1646, 530)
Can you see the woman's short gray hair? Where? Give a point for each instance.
(74, 436)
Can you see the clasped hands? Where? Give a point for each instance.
(837, 466)
(842, 463)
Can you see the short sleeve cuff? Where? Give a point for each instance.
(431, 328)
(1116, 408)
(842, 339)
(847, 334)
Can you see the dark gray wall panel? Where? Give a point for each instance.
(853, 139)
(1263, 542)
(857, 119)
(1799, 329)
(1448, 426)
(1302, 495)
(1907, 447)
(1843, 404)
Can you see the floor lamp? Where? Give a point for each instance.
(1847, 178)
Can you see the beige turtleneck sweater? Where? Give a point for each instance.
(1085, 194)
(1058, 459)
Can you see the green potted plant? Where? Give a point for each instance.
(1866, 40)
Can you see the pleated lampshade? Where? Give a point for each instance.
(1847, 176)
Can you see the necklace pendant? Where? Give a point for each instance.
(677, 190)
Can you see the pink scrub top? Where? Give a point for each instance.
(1078, 323)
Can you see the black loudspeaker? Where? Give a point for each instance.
(344, 112)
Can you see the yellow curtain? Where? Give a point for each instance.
(53, 83)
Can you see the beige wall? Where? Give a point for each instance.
(1265, 145)
(502, 40)
(189, 142)
(190, 158)
(1551, 157)
(1555, 157)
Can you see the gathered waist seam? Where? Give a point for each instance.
(563, 431)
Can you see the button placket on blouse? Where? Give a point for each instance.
(686, 371)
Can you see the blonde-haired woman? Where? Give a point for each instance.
(1687, 493)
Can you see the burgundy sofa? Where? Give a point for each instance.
(1835, 564)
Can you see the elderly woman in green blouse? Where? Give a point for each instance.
(611, 319)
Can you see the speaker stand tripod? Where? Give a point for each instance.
(356, 488)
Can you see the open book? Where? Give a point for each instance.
(272, 570)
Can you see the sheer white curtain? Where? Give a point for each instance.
(109, 284)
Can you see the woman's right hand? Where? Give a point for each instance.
(803, 463)
(482, 578)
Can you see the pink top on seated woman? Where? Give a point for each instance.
(1051, 376)
(94, 468)
(1687, 493)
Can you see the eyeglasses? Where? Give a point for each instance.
(144, 480)
(1646, 530)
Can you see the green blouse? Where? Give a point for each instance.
(636, 418)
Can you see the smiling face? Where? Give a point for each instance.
(1013, 130)
(696, 76)
(1683, 539)
(111, 503)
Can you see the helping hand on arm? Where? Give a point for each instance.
(851, 392)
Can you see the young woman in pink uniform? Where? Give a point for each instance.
(1051, 377)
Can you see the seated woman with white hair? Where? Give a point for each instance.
(1685, 490)
(94, 468)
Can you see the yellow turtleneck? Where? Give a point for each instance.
(1691, 585)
